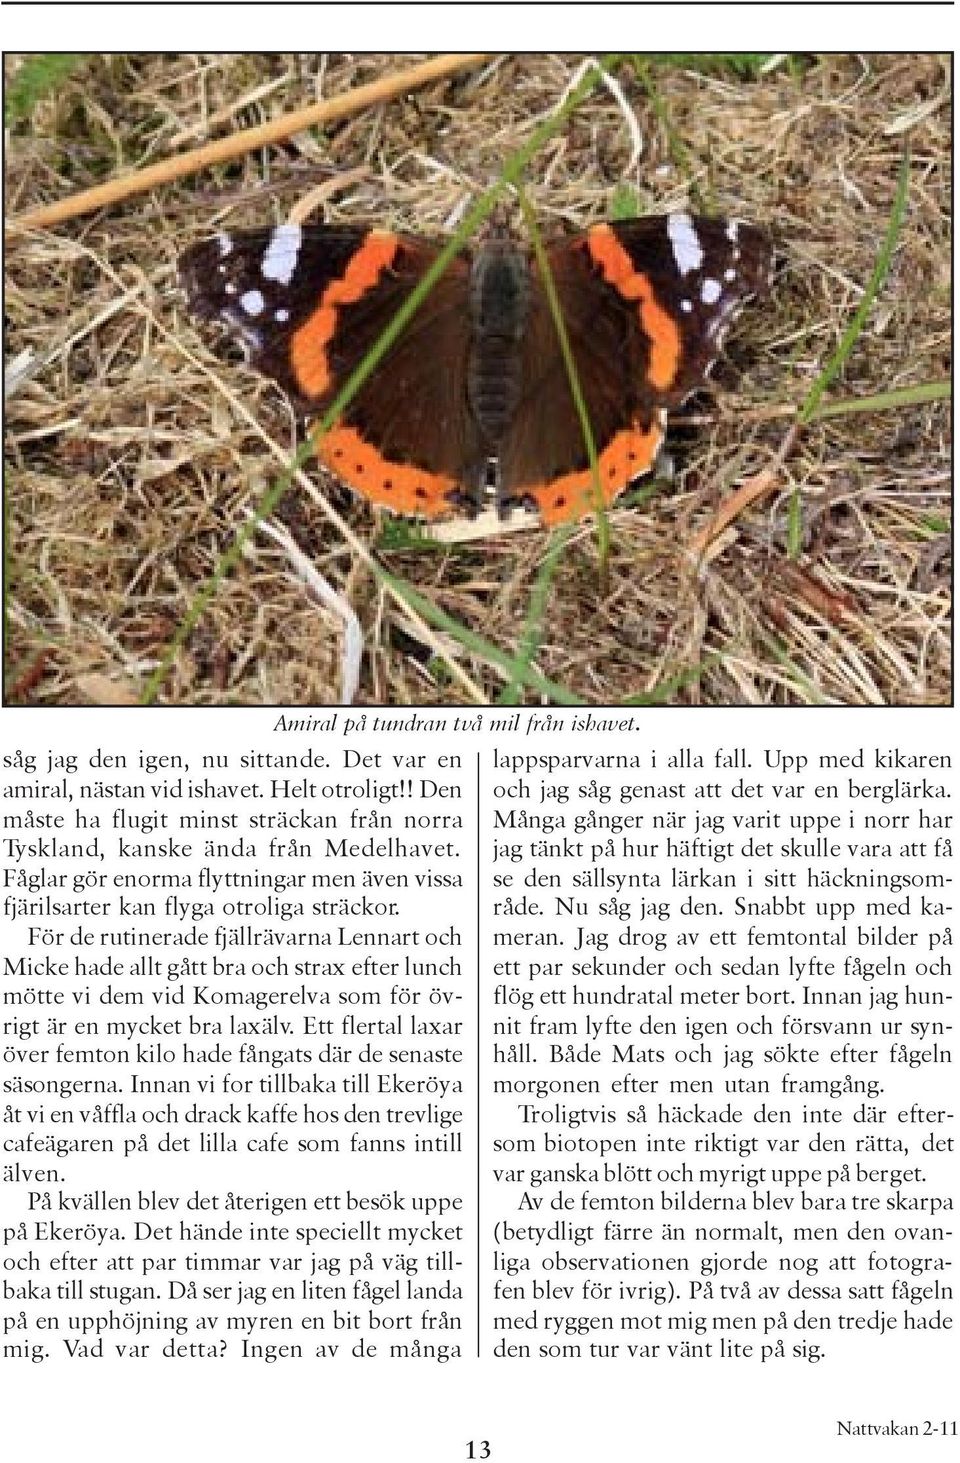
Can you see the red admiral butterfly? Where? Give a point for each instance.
(475, 391)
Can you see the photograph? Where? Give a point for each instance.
(507, 379)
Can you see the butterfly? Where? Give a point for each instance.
(474, 399)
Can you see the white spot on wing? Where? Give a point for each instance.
(687, 253)
(281, 315)
(733, 230)
(225, 245)
(252, 302)
(686, 306)
(729, 275)
(710, 291)
(283, 251)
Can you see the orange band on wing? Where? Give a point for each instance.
(630, 453)
(396, 485)
(308, 348)
(662, 332)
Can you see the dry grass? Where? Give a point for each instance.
(129, 467)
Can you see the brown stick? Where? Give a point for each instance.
(240, 142)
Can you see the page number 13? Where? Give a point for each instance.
(478, 1450)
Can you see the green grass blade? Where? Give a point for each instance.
(880, 271)
(536, 610)
(886, 400)
(794, 526)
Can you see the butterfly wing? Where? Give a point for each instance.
(690, 278)
(544, 459)
(308, 304)
(645, 305)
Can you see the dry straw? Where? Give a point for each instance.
(238, 143)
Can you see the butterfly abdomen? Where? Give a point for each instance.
(499, 305)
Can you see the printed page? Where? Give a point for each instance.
(435, 1027)
(418, 1056)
